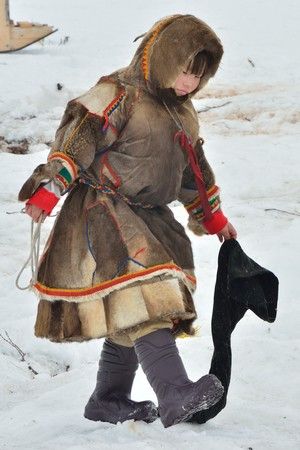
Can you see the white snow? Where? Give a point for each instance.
(251, 142)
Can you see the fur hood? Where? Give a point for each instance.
(166, 49)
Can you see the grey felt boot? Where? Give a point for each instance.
(110, 401)
(178, 397)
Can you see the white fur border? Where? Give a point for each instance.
(103, 292)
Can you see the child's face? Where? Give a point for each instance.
(185, 83)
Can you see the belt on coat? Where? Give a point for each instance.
(106, 189)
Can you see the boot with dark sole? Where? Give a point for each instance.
(178, 397)
(111, 399)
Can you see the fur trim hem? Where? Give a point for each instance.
(107, 287)
(121, 310)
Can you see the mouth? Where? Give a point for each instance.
(181, 92)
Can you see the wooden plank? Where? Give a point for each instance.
(17, 36)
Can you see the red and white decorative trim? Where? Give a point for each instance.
(218, 220)
(113, 105)
(195, 207)
(68, 173)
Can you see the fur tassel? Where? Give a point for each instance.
(196, 227)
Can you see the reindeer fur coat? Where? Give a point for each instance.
(116, 257)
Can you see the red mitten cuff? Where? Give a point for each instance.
(43, 199)
(216, 223)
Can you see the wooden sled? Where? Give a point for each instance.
(15, 36)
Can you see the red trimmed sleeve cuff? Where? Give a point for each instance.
(43, 199)
(216, 223)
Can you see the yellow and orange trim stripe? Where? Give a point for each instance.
(145, 56)
(105, 287)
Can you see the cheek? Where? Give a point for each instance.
(178, 83)
(196, 83)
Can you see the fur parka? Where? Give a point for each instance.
(116, 257)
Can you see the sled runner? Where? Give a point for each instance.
(15, 36)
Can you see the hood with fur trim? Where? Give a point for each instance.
(166, 50)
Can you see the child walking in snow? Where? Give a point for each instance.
(117, 264)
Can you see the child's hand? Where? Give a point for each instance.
(35, 213)
(228, 232)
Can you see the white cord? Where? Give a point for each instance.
(33, 257)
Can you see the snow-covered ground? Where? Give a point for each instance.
(252, 142)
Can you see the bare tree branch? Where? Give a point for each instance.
(283, 211)
(21, 353)
(212, 107)
(32, 370)
(9, 341)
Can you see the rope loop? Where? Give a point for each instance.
(33, 257)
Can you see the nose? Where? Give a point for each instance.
(187, 82)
